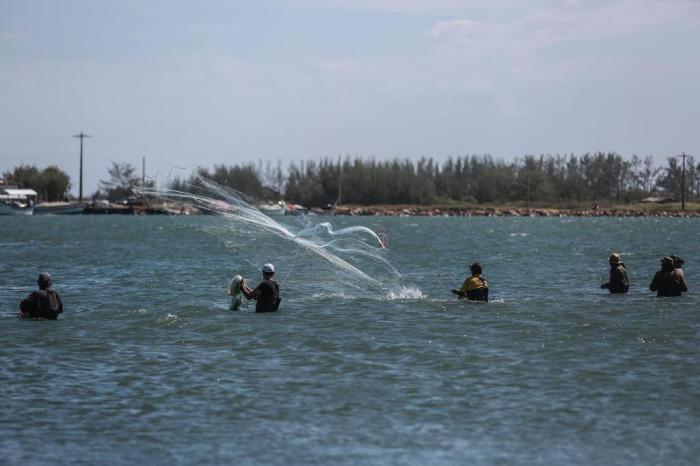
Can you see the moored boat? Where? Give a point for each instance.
(15, 201)
(10, 205)
(271, 209)
(59, 208)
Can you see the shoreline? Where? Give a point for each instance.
(505, 211)
(428, 211)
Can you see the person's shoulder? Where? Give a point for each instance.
(265, 284)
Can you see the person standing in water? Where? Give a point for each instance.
(678, 267)
(668, 281)
(234, 291)
(42, 304)
(267, 294)
(619, 282)
(475, 287)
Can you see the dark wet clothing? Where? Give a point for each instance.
(668, 283)
(45, 304)
(481, 294)
(269, 298)
(618, 283)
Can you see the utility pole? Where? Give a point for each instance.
(683, 183)
(527, 202)
(81, 136)
(340, 180)
(143, 172)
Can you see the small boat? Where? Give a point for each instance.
(17, 201)
(14, 205)
(271, 209)
(59, 208)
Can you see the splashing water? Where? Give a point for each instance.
(350, 249)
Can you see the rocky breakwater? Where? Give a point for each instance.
(477, 211)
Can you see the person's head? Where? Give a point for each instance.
(667, 264)
(614, 258)
(475, 268)
(44, 281)
(677, 262)
(268, 271)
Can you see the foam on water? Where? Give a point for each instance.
(405, 292)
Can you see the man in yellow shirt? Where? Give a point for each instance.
(475, 287)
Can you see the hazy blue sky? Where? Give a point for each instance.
(185, 82)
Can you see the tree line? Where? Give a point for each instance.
(592, 177)
(51, 183)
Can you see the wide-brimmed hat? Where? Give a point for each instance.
(614, 257)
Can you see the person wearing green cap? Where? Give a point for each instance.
(42, 304)
(618, 282)
(667, 281)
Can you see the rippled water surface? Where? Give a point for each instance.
(147, 365)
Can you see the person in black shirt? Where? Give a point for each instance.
(668, 281)
(618, 283)
(42, 304)
(267, 294)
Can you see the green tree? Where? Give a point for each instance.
(55, 184)
(51, 183)
(122, 180)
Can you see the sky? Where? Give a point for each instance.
(198, 83)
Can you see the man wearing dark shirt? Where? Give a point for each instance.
(618, 283)
(42, 304)
(267, 294)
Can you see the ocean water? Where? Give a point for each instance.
(147, 365)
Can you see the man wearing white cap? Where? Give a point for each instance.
(267, 294)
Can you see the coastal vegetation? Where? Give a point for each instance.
(51, 183)
(557, 181)
(121, 183)
(605, 178)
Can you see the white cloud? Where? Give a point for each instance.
(516, 46)
(424, 7)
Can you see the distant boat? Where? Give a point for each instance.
(17, 201)
(9, 206)
(271, 209)
(59, 208)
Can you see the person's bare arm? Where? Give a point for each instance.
(654, 285)
(248, 292)
(680, 278)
